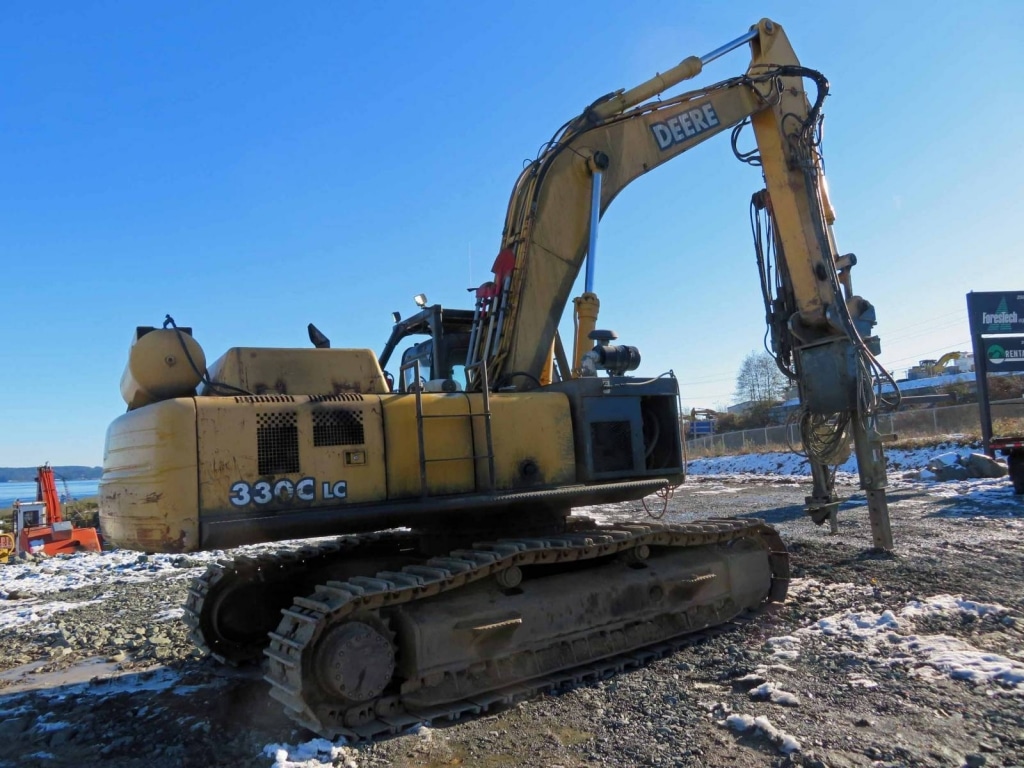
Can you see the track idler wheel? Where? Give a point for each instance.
(354, 662)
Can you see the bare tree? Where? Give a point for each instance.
(760, 380)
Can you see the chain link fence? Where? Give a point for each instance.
(952, 420)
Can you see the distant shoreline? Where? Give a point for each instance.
(62, 472)
(77, 490)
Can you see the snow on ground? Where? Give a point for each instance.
(972, 496)
(771, 692)
(96, 678)
(890, 638)
(22, 613)
(83, 569)
(788, 463)
(762, 725)
(310, 754)
(948, 604)
(171, 614)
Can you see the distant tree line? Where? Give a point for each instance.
(28, 474)
(760, 386)
(760, 380)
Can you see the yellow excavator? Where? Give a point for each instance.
(458, 576)
(929, 368)
(7, 546)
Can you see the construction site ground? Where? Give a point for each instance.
(914, 658)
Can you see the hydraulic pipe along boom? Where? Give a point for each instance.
(707, 58)
(595, 218)
(688, 68)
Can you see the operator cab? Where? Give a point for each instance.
(29, 514)
(441, 356)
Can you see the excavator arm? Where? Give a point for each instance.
(820, 330)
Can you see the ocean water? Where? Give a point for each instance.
(79, 489)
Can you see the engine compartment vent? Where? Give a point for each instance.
(344, 397)
(264, 399)
(338, 427)
(277, 443)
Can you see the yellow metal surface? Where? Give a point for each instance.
(940, 364)
(159, 369)
(532, 436)
(796, 223)
(447, 444)
(587, 306)
(262, 371)
(456, 447)
(686, 69)
(547, 372)
(229, 443)
(6, 546)
(148, 492)
(179, 461)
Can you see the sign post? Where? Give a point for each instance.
(997, 337)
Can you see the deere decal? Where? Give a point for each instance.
(685, 126)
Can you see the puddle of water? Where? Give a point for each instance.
(25, 679)
(95, 676)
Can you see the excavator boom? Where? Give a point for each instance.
(548, 223)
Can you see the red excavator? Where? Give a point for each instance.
(40, 526)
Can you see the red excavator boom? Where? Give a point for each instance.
(46, 492)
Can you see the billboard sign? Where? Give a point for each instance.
(997, 336)
(996, 312)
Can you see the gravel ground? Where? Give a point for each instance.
(910, 659)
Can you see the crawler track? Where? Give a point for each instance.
(237, 634)
(293, 671)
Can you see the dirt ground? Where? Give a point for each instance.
(866, 664)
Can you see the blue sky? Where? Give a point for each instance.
(249, 167)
